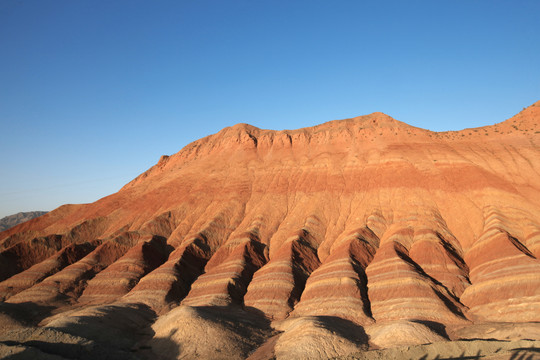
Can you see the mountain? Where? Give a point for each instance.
(353, 235)
(12, 220)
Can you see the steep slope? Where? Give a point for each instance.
(358, 223)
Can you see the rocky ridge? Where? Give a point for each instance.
(346, 232)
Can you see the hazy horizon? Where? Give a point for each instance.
(92, 94)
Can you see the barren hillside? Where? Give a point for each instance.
(353, 235)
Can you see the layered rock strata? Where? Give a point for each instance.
(68, 284)
(363, 223)
(339, 286)
(504, 273)
(28, 278)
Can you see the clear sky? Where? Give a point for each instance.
(93, 92)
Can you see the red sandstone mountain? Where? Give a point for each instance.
(259, 238)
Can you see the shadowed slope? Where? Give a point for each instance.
(278, 285)
(66, 256)
(339, 286)
(71, 281)
(120, 277)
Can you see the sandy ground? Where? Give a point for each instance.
(470, 349)
(132, 331)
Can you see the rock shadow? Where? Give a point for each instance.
(120, 326)
(525, 353)
(436, 327)
(232, 314)
(344, 328)
(27, 313)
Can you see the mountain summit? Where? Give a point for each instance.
(249, 240)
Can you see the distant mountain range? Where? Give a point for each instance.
(12, 220)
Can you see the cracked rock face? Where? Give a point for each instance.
(309, 243)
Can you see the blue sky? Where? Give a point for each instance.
(93, 92)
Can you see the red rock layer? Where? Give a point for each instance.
(400, 289)
(532, 239)
(277, 286)
(339, 286)
(170, 283)
(28, 278)
(121, 276)
(505, 275)
(71, 281)
(162, 225)
(167, 285)
(441, 257)
(87, 230)
(10, 240)
(22, 250)
(227, 282)
(24, 254)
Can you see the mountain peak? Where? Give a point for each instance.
(527, 119)
(380, 119)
